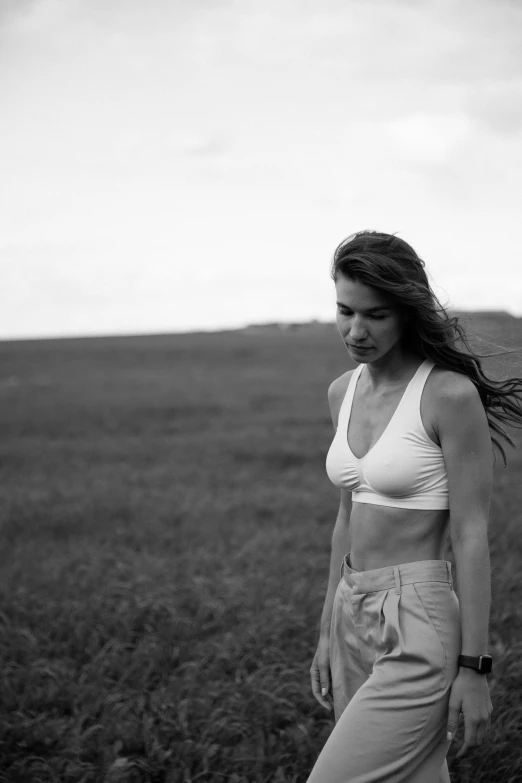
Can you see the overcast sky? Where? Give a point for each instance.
(183, 164)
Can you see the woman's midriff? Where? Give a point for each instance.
(382, 536)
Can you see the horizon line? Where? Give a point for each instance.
(206, 330)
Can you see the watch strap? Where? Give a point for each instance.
(481, 663)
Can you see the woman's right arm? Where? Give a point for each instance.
(340, 546)
(320, 669)
(341, 532)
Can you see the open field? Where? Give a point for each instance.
(165, 529)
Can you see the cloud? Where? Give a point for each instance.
(497, 105)
(160, 141)
(429, 139)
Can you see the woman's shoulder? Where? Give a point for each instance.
(455, 410)
(449, 396)
(339, 386)
(448, 384)
(336, 393)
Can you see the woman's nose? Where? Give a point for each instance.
(357, 331)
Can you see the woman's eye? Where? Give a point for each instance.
(374, 317)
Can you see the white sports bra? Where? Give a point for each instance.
(405, 468)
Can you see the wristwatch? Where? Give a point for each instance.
(481, 663)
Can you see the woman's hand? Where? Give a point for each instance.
(469, 695)
(320, 674)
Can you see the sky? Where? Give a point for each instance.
(177, 165)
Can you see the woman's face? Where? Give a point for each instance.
(366, 318)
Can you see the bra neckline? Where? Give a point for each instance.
(356, 378)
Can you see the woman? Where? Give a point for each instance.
(399, 655)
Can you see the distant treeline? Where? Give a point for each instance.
(466, 315)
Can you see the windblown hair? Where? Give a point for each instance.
(388, 263)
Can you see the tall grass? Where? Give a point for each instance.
(165, 529)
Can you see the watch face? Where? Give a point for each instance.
(485, 664)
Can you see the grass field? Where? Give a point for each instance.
(166, 521)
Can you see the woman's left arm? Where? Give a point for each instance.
(466, 445)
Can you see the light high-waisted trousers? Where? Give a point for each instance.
(394, 643)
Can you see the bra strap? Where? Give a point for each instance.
(346, 405)
(422, 375)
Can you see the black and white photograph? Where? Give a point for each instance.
(260, 391)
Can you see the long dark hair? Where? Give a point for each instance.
(388, 263)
